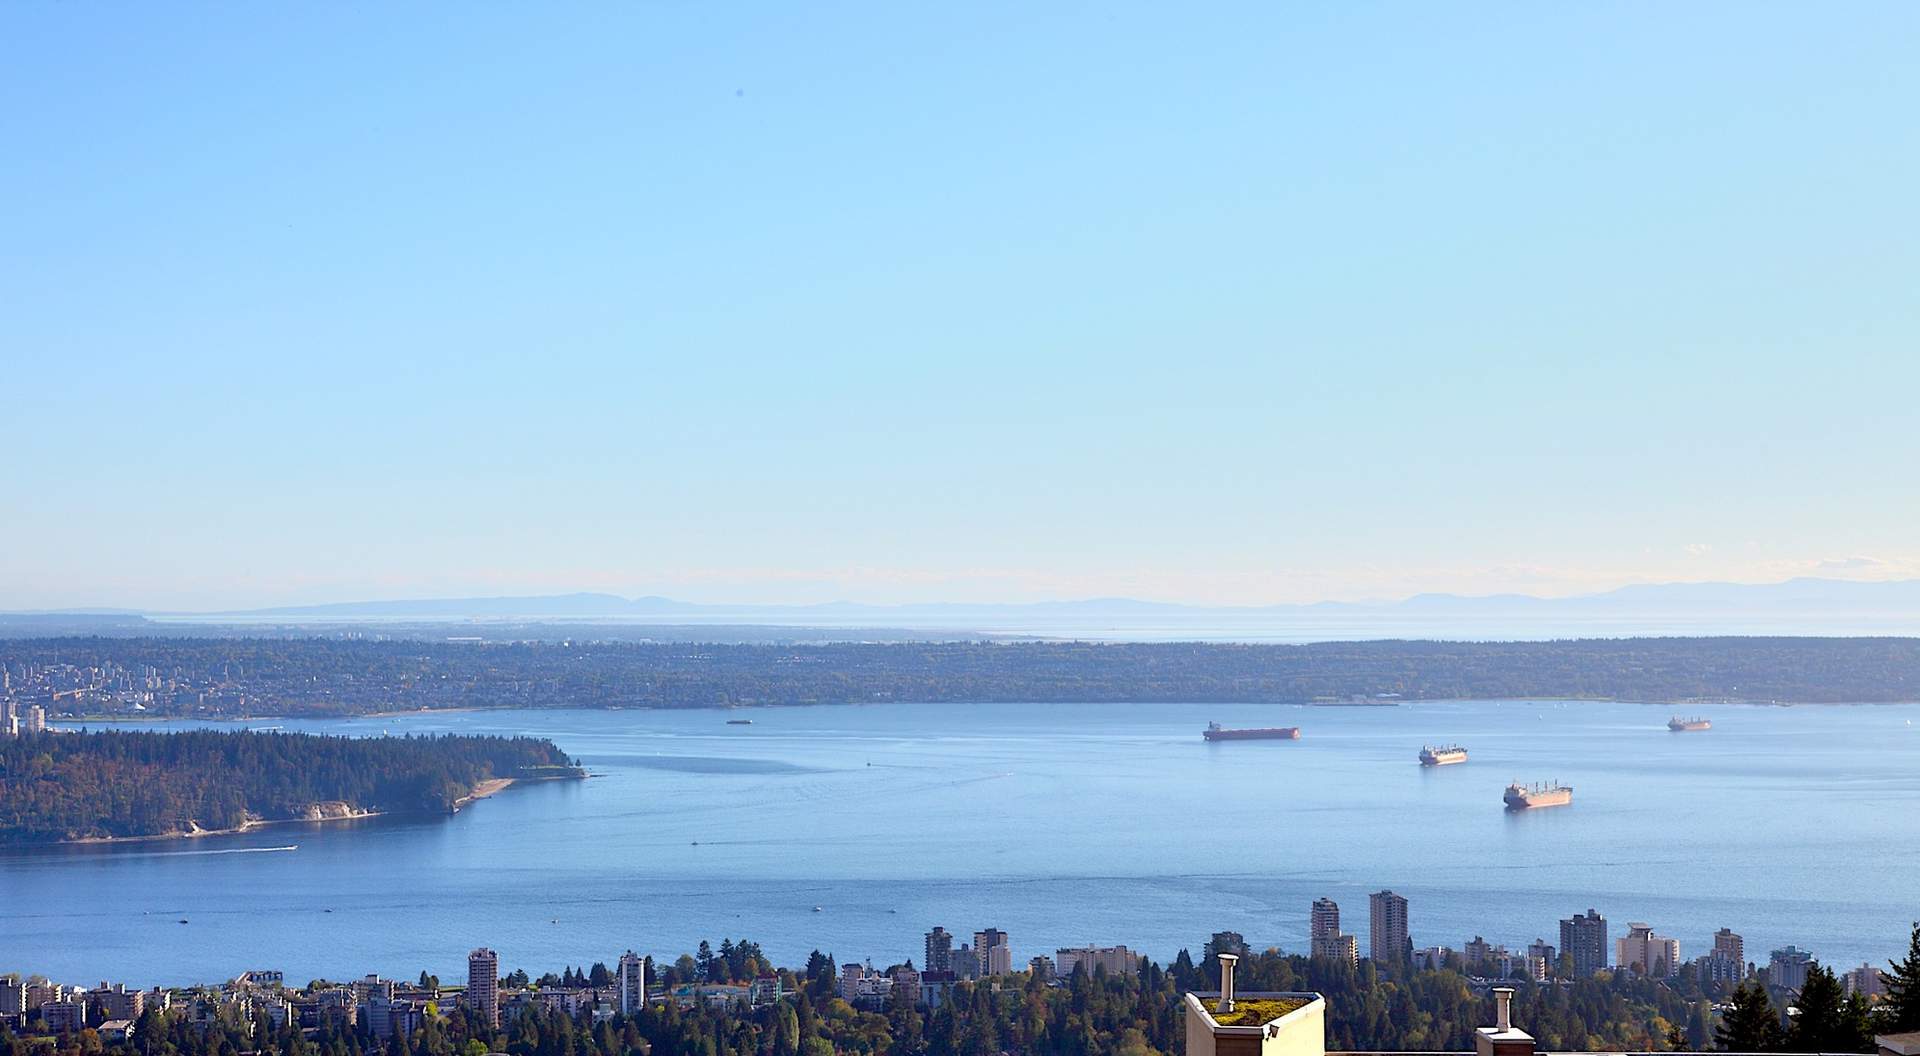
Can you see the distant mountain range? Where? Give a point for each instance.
(1897, 597)
(1797, 606)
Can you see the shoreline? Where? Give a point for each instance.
(76, 720)
(484, 789)
(491, 786)
(198, 833)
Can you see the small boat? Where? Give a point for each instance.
(739, 722)
(817, 909)
(183, 920)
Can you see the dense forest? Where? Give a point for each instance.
(321, 676)
(65, 786)
(1091, 1015)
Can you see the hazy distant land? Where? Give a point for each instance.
(319, 676)
(1807, 606)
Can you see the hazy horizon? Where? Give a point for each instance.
(1244, 305)
(1824, 583)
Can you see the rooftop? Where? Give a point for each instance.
(1252, 1009)
(1255, 1011)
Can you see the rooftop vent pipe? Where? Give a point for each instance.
(1226, 983)
(1503, 1008)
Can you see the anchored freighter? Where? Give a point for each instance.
(1680, 725)
(1549, 794)
(1442, 755)
(1217, 732)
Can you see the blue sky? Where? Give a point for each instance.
(1243, 303)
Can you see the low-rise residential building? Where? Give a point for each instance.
(1716, 967)
(386, 1017)
(1643, 952)
(906, 978)
(869, 990)
(1042, 968)
(1230, 942)
(720, 995)
(116, 1002)
(68, 1015)
(1865, 981)
(1787, 967)
(38, 994)
(852, 975)
(936, 987)
(1116, 960)
(766, 990)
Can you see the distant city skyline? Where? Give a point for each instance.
(1248, 305)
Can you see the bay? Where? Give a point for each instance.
(854, 829)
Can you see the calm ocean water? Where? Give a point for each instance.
(1061, 824)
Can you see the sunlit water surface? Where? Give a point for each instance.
(855, 829)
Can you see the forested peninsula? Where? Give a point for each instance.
(74, 786)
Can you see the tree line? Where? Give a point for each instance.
(1098, 1014)
(320, 676)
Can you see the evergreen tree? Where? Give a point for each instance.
(1819, 1023)
(1857, 1024)
(1750, 1023)
(1900, 1012)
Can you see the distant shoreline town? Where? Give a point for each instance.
(1641, 967)
(355, 675)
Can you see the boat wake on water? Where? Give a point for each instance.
(216, 850)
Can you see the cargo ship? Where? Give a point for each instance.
(1217, 732)
(1680, 725)
(1443, 755)
(739, 722)
(1549, 794)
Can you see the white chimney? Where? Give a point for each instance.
(1226, 982)
(1502, 1039)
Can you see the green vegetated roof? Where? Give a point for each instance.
(1252, 1012)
